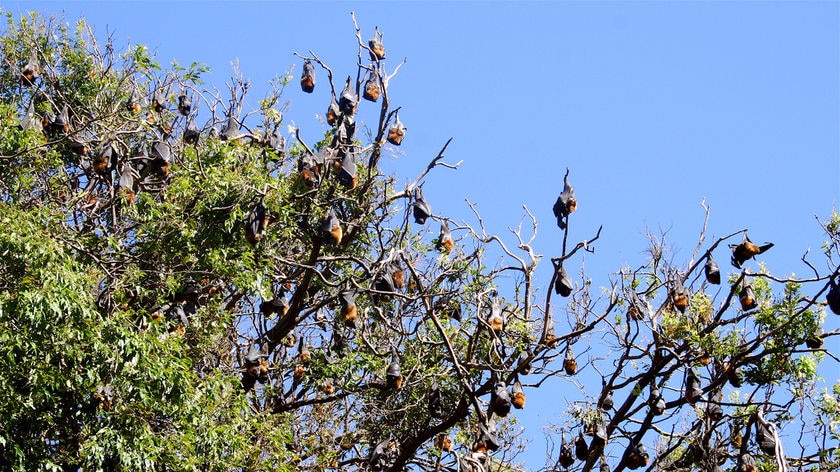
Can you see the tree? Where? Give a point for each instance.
(182, 289)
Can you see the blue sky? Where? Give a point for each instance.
(655, 106)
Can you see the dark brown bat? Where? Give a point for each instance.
(815, 341)
(500, 401)
(347, 175)
(693, 392)
(161, 159)
(348, 99)
(566, 203)
(679, 296)
(393, 375)
(444, 241)
(637, 456)
(396, 132)
(377, 50)
(159, 100)
(307, 78)
(184, 104)
(191, 133)
(127, 188)
(31, 70)
(713, 408)
(581, 448)
(435, 401)
(746, 250)
(656, 402)
(372, 90)
(712, 271)
(765, 439)
(421, 208)
(746, 463)
(333, 112)
(349, 312)
(606, 400)
(567, 453)
(133, 102)
(230, 132)
(563, 286)
(105, 159)
(331, 228)
(832, 298)
(256, 222)
(496, 319)
(569, 362)
(517, 395)
(747, 296)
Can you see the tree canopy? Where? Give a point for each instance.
(186, 284)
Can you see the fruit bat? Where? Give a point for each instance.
(333, 112)
(746, 463)
(496, 319)
(747, 296)
(31, 70)
(569, 363)
(567, 454)
(349, 312)
(383, 282)
(191, 133)
(61, 122)
(581, 448)
(256, 222)
(443, 443)
(307, 78)
(347, 173)
(127, 188)
(396, 132)
(563, 285)
(372, 90)
(832, 298)
(524, 364)
(278, 304)
(764, 438)
(815, 341)
(600, 434)
(435, 401)
(736, 377)
(159, 100)
(377, 50)
(29, 120)
(309, 171)
(656, 402)
(331, 230)
(517, 395)
(104, 396)
(161, 159)
(328, 387)
(735, 436)
(550, 333)
(397, 275)
(421, 208)
(712, 271)
(256, 367)
(487, 439)
(231, 129)
(133, 102)
(393, 375)
(566, 203)
(277, 142)
(693, 392)
(606, 401)
(348, 99)
(746, 250)
(105, 159)
(637, 456)
(444, 242)
(500, 401)
(604, 467)
(184, 104)
(713, 408)
(679, 296)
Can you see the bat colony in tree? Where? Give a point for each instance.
(383, 349)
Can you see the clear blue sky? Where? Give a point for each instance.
(654, 106)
